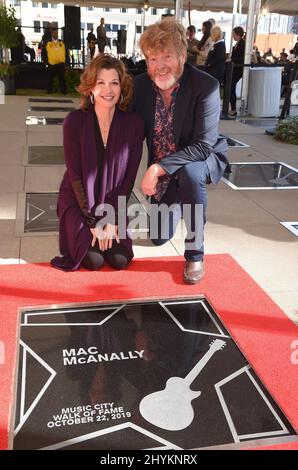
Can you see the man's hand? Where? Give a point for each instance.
(105, 236)
(150, 179)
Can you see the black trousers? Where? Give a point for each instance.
(101, 45)
(92, 52)
(233, 97)
(57, 69)
(118, 257)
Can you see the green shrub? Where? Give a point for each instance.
(7, 70)
(287, 131)
(72, 79)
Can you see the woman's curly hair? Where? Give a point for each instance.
(89, 78)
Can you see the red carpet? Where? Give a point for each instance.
(286, 446)
(260, 328)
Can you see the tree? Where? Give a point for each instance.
(8, 33)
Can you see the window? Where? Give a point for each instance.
(123, 10)
(139, 11)
(90, 8)
(83, 25)
(89, 26)
(106, 10)
(123, 27)
(44, 5)
(154, 11)
(139, 29)
(36, 25)
(115, 27)
(16, 3)
(108, 27)
(54, 5)
(35, 4)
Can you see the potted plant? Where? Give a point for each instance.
(7, 73)
(8, 39)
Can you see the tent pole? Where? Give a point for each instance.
(143, 21)
(235, 8)
(178, 9)
(253, 9)
(189, 20)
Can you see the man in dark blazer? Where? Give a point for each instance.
(180, 106)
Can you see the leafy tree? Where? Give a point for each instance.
(8, 25)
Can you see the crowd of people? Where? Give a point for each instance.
(101, 39)
(209, 54)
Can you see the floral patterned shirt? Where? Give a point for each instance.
(163, 136)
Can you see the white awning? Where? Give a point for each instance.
(285, 7)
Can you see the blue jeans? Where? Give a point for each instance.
(187, 196)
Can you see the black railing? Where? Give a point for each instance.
(228, 83)
(287, 103)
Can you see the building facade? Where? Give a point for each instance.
(34, 17)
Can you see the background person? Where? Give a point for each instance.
(295, 48)
(205, 44)
(238, 60)
(216, 59)
(17, 52)
(191, 43)
(55, 57)
(102, 40)
(102, 150)
(47, 36)
(91, 42)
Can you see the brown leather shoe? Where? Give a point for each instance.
(193, 271)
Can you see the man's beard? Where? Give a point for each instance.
(165, 85)
(174, 77)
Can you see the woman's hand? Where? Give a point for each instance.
(94, 237)
(105, 236)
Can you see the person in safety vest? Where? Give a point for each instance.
(55, 58)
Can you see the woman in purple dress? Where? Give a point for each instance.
(102, 150)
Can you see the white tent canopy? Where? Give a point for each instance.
(285, 7)
(201, 5)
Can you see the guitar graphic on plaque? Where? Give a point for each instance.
(171, 408)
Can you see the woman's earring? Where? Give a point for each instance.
(92, 98)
